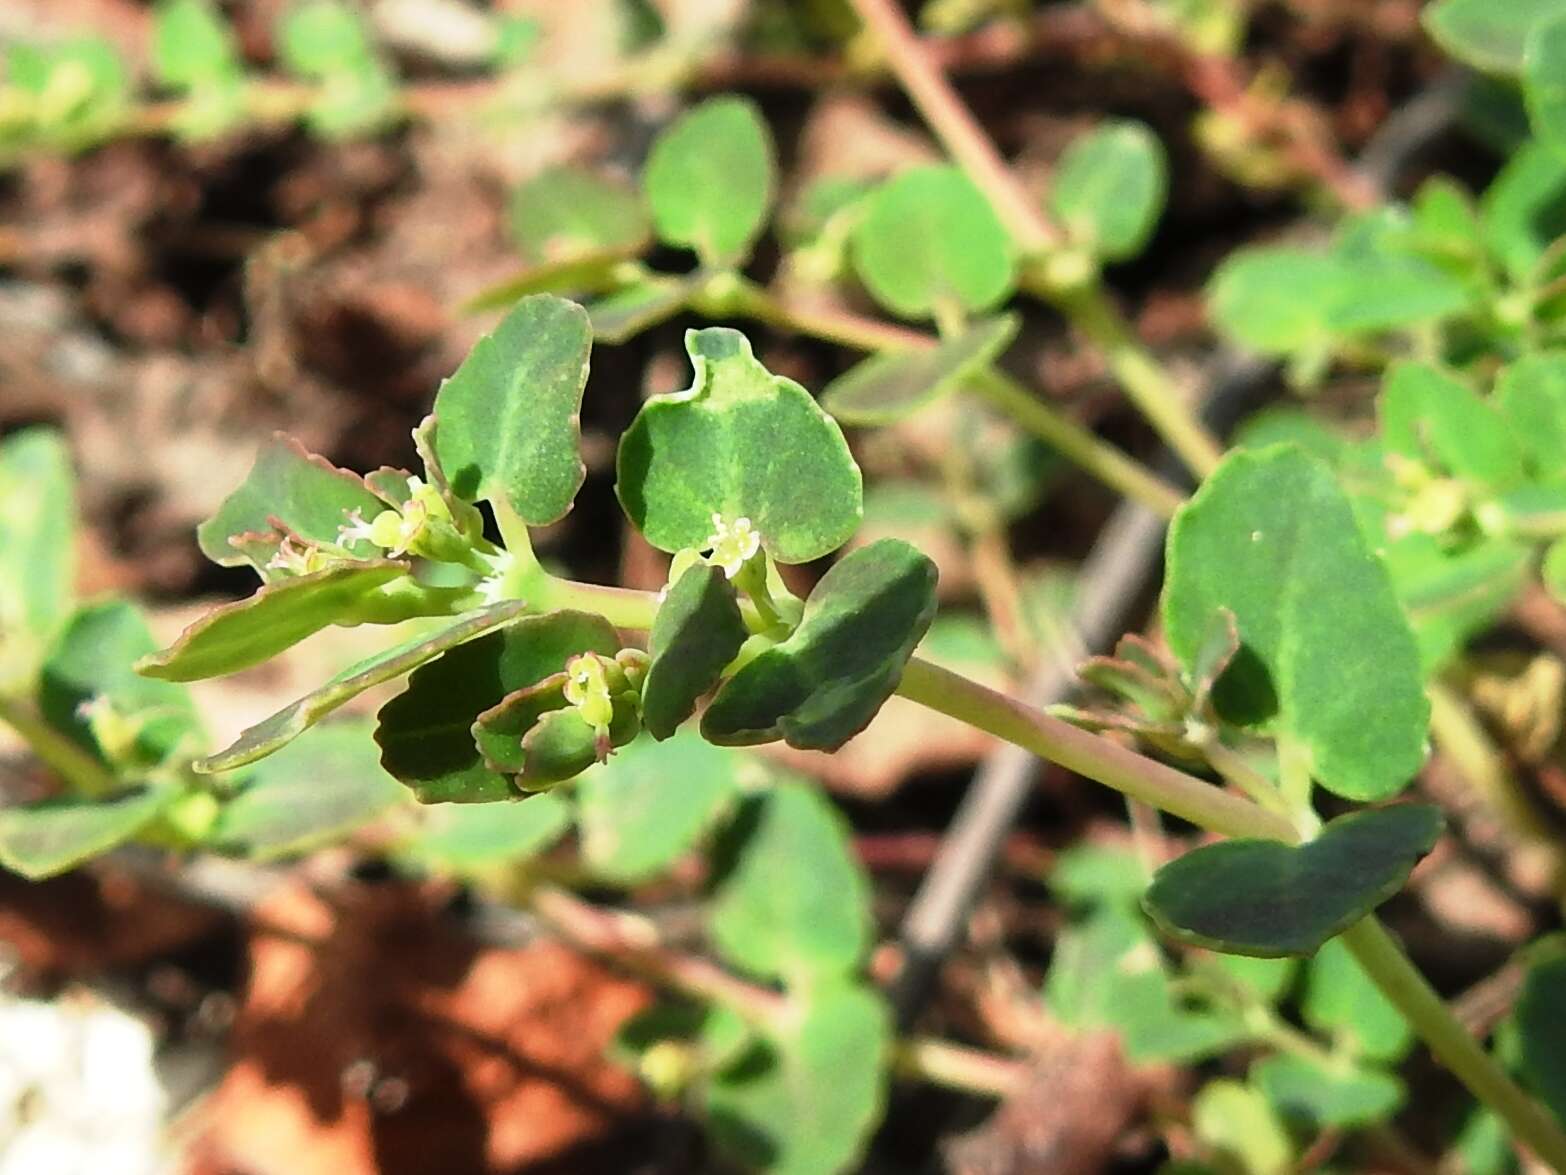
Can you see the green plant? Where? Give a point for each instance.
(1320, 592)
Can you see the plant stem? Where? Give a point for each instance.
(1145, 381)
(1086, 305)
(1400, 981)
(71, 762)
(1087, 754)
(953, 1066)
(1459, 736)
(1079, 445)
(1151, 782)
(633, 943)
(954, 124)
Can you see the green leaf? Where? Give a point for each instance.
(1544, 77)
(327, 41)
(279, 615)
(1265, 898)
(1552, 570)
(647, 807)
(83, 85)
(888, 387)
(90, 667)
(1267, 980)
(740, 442)
(1237, 1121)
(1107, 972)
(1288, 300)
(1542, 1031)
(191, 46)
(804, 1100)
(1109, 188)
(425, 732)
(37, 540)
(1342, 1000)
(1488, 35)
(320, 38)
(1094, 874)
(465, 839)
(508, 423)
(628, 312)
(1524, 209)
(1327, 654)
(826, 681)
(315, 791)
(267, 736)
(698, 631)
(1431, 417)
(42, 839)
(306, 494)
(710, 178)
(930, 238)
(1531, 392)
(570, 212)
(1319, 1095)
(1451, 595)
(791, 900)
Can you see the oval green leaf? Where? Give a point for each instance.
(648, 806)
(929, 238)
(698, 630)
(288, 485)
(314, 792)
(566, 212)
(709, 179)
(740, 442)
(791, 900)
(804, 1100)
(888, 387)
(90, 664)
(508, 422)
(37, 538)
(1109, 188)
(1268, 899)
(42, 839)
(1486, 34)
(823, 685)
(280, 615)
(1327, 654)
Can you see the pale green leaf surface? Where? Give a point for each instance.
(1327, 654)
(888, 387)
(314, 791)
(1109, 188)
(740, 442)
(929, 237)
(508, 423)
(710, 178)
(278, 616)
(49, 837)
(649, 805)
(791, 901)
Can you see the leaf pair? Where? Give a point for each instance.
(484, 689)
(708, 185)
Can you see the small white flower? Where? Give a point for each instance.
(355, 530)
(733, 544)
